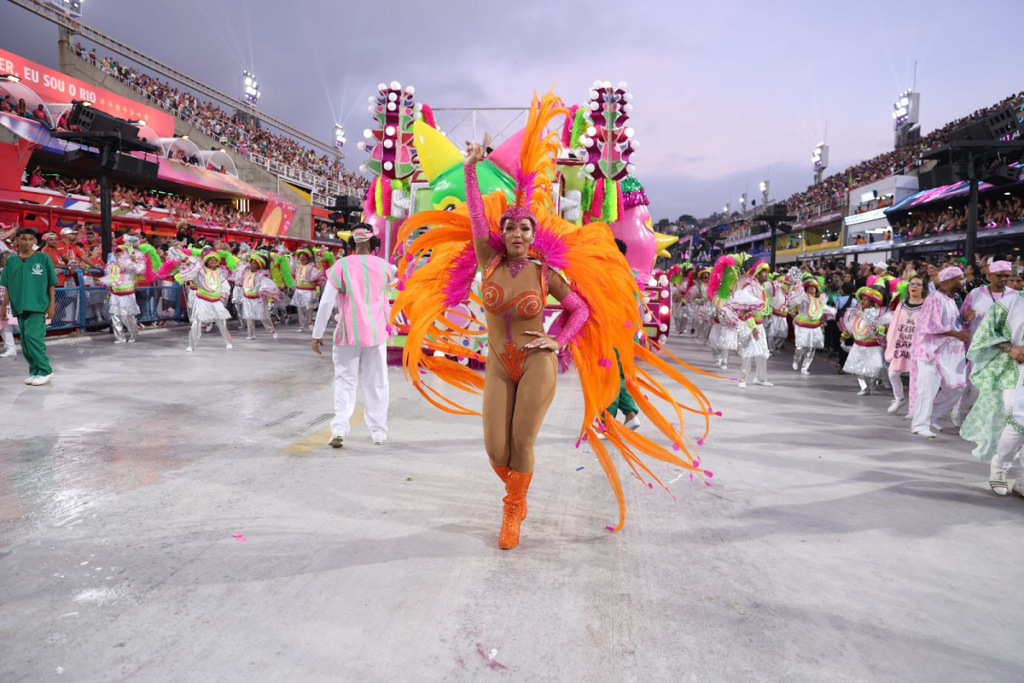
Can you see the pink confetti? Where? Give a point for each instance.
(240, 537)
(734, 379)
(650, 486)
(708, 474)
(707, 483)
(610, 528)
(691, 476)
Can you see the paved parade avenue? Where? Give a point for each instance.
(179, 517)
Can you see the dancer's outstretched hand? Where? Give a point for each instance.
(543, 341)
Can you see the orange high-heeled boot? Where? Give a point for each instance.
(502, 473)
(515, 506)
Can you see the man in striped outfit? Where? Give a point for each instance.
(359, 284)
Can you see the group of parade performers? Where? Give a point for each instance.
(257, 284)
(962, 353)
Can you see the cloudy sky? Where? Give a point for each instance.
(726, 93)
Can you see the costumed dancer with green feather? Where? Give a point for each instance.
(127, 264)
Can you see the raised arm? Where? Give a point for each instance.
(475, 203)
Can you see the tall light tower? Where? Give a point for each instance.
(905, 115)
(820, 160)
(250, 88)
(339, 138)
(764, 192)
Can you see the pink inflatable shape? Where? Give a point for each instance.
(506, 156)
(634, 229)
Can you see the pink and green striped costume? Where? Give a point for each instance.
(364, 308)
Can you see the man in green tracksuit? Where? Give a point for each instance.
(29, 279)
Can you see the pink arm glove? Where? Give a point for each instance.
(578, 315)
(477, 217)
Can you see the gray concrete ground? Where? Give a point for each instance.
(833, 546)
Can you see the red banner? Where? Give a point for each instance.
(53, 87)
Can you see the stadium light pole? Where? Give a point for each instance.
(250, 88)
(339, 137)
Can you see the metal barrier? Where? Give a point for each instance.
(82, 307)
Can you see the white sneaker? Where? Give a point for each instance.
(936, 427)
(209, 328)
(274, 335)
(379, 438)
(30, 379)
(188, 349)
(741, 385)
(896, 404)
(805, 371)
(337, 441)
(9, 353)
(132, 340)
(997, 480)
(863, 392)
(633, 424)
(763, 383)
(250, 338)
(41, 380)
(300, 330)
(228, 346)
(795, 366)
(925, 432)
(119, 341)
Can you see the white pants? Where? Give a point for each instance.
(348, 361)
(761, 368)
(933, 399)
(1010, 443)
(8, 336)
(802, 357)
(896, 380)
(196, 331)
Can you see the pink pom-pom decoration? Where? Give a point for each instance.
(675, 447)
(718, 413)
(707, 483)
(708, 474)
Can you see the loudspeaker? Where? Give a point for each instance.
(346, 202)
(777, 209)
(146, 170)
(937, 177)
(1005, 175)
(92, 120)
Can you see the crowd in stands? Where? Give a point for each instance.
(830, 194)
(179, 207)
(228, 130)
(992, 213)
(18, 107)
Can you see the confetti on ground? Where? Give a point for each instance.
(578, 469)
(239, 537)
(677, 478)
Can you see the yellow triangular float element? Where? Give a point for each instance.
(436, 153)
(664, 242)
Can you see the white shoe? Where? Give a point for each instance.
(337, 441)
(633, 424)
(188, 349)
(209, 328)
(250, 338)
(9, 353)
(896, 404)
(274, 335)
(741, 385)
(763, 383)
(997, 480)
(379, 438)
(30, 379)
(119, 341)
(795, 366)
(228, 346)
(805, 371)
(936, 427)
(132, 340)
(41, 380)
(300, 330)
(925, 432)
(863, 392)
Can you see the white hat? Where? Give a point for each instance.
(68, 231)
(881, 264)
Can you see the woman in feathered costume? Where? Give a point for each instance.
(518, 248)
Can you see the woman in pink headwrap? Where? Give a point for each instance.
(939, 353)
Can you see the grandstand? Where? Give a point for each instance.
(885, 205)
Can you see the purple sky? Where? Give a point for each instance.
(722, 90)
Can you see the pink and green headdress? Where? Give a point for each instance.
(753, 265)
(209, 253)
(723, 277)
(870, 293)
